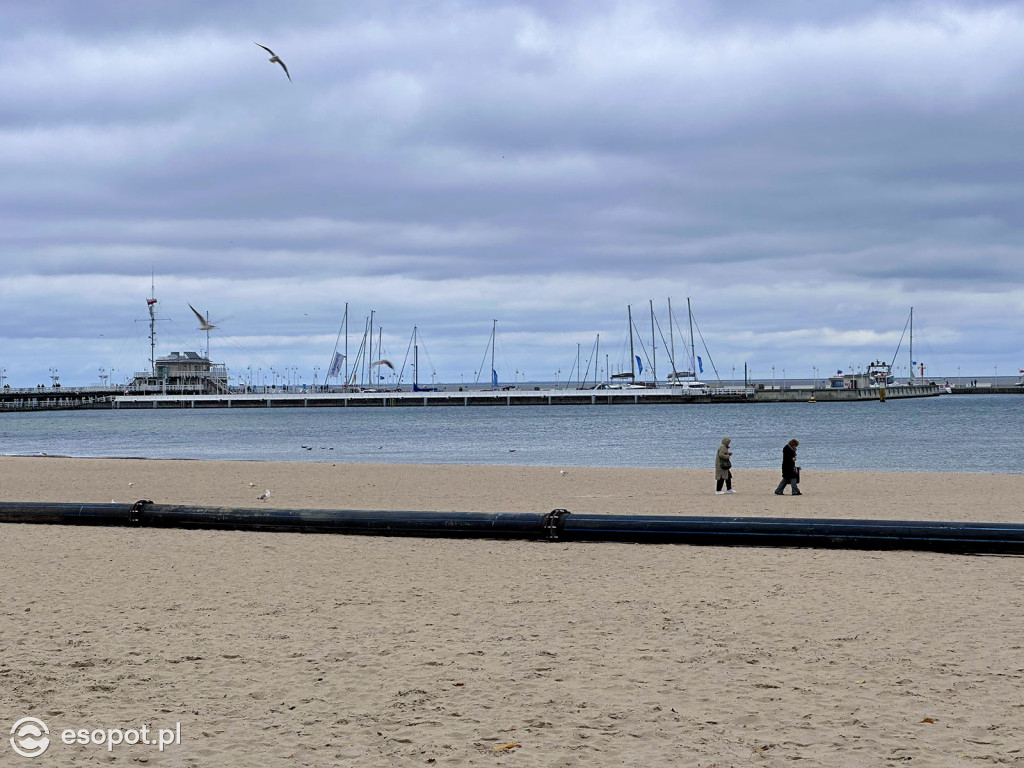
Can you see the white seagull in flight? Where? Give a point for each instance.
(204, 324)
(275, 59)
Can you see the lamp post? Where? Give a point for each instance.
(3, 372)
(316, 374)
(773, 377)
(103, 377)
(54, 377)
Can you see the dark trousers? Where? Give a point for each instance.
(727, 481)
(792, 483)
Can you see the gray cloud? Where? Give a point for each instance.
(806, 171)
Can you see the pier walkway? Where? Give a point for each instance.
(434, 399)
(92, 398)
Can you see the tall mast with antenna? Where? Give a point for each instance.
(151, 305)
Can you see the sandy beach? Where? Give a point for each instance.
(320, 650)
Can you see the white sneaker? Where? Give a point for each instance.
(719, 493)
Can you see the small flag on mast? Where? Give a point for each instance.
(335, 369)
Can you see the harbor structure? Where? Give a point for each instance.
(181, 373)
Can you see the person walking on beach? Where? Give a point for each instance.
(790, 471)
(723, 468)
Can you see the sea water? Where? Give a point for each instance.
(951, 433)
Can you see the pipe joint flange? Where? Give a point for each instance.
(554, 522)
(135, 513)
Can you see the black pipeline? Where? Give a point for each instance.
(558, 525)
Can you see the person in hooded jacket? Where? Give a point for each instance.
(723, 468)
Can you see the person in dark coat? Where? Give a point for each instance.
(723, 468)
(790, 471)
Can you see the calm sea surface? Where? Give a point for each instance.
(942, 434)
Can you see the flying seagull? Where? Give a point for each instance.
(275, 59)
(204, 324)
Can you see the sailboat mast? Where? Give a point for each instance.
(672, 341)
(632, 354)
(415, 361)
(654, 346)
(911, 344)
(494, 371)
(364, 356)
(346, 344)
(597, 356)
(693, 351)
(369, 353)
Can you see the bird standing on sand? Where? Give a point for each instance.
(204, 324)
(264, 496)
(275, 59)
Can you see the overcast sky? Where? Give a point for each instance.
(805, 172)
